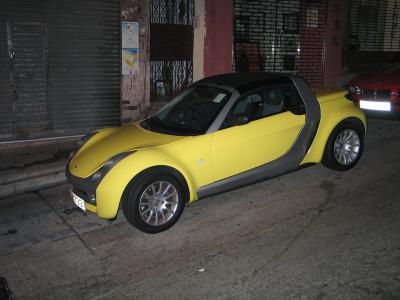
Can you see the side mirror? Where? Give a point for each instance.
(238, 119)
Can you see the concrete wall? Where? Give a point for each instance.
(199, 32)
(218, 39)
(135, 89)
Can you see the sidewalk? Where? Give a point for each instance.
(30, 167)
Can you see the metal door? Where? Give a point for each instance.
(28, 76)
(6, 114)
(59, 67)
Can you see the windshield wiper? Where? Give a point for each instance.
(153, 123)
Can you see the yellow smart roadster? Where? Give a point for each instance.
(222, 133)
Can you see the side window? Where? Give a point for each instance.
(274, 100)
(293, 102)
(251, 106)
(266, 102)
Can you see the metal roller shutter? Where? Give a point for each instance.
(374, 25)
(66, 68)
(280, 36)
(6, 113)
(373, 40)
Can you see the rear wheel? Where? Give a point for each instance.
(154, 202)
(344, 147)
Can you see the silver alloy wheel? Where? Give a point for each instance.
(347, 147)
(158, 203)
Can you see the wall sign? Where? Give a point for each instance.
(130, 48)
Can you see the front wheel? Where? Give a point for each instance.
(154, 202)
(344, 147)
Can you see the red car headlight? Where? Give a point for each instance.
(354, 90)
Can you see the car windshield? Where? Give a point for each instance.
(190, 113)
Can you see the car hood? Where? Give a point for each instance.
(387, 79)
(110, 142)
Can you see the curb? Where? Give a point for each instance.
(31, 183)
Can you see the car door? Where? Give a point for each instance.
(270, 132)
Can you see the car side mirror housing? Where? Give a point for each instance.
(238, 119)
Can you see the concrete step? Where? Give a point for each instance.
(28, 166)
(31, 168)
(33, 183)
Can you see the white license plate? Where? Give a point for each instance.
(375, 105)
(78, 201)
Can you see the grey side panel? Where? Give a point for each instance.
(309, 99)
(288, 162)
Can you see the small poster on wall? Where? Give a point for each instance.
(130, 48)
(312, 17)
(130, 61)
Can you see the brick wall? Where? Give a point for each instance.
(218, 37)
(334, 41)
(312, 38)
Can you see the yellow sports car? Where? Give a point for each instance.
(222, 133)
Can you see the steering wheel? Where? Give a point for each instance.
(187, 117)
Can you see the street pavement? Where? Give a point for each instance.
(311, 234)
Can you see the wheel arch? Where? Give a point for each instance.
(355, 121)
(329, 158)
(160, 168)
(112, 188)
(316, 151)
(352, 120)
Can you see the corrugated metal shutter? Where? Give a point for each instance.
(373, 40)
(81, 65)
(280, 36)
(6, 114)
(374, 25)
(30, 82)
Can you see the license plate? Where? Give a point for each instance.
(375, 105)
(78, 201)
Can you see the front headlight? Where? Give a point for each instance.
(354, 90)
(100, 173)
(81, 142)
(85, 138)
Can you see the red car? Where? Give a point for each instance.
(378, 91)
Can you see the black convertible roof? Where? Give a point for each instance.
(237, 80)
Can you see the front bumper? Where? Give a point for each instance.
(107, 199)
(84, 188)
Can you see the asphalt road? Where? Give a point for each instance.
(311, 234)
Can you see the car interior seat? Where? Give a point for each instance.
(273, 102)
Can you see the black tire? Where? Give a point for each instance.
(329, 159)
(133, 208)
